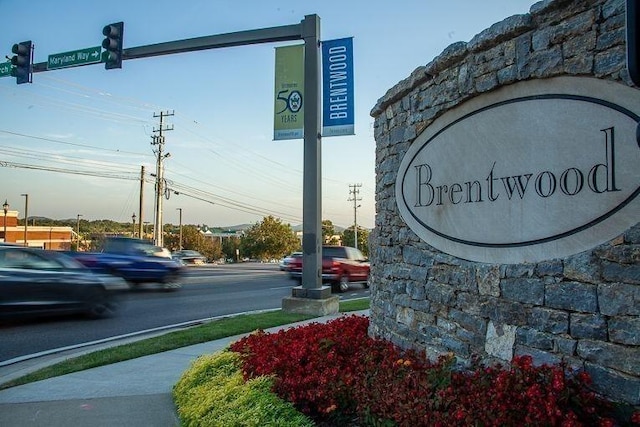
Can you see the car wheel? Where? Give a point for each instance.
(99, 305)
(171, 283)
(343, 283)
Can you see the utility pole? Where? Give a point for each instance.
(180, 241)
(26, 219)
(78, 232)
(354, 189)
(160, 183)
(140, 212)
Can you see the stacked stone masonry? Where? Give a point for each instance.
(584, 309)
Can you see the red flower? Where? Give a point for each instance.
(336, 368)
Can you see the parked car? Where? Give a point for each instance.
(189, 257)
(135, 260)
(284, 264)
(341, 265)
(35, 282)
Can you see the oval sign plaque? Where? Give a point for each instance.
(536, 170)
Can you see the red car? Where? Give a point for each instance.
(341, 265)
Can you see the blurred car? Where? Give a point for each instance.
(189, 257)
(161, 252)
(341, 266)
(138, 261)
(35, 281)
(284, 264)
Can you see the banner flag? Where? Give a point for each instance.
(289, 93)
(337, 87)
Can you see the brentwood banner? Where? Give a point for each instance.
(289, 93)
(337, 87)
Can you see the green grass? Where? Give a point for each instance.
(222, 328)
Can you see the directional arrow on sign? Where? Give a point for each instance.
(74, 58)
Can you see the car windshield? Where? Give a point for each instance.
(35, 260)
(333, 251)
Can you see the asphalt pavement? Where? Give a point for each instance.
(132, 393)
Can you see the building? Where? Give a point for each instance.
(45, 237)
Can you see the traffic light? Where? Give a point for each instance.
(21, 62)
(112, 57)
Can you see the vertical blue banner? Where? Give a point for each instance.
(337, 87)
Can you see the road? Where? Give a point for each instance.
(208, 291)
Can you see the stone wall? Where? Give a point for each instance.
(584, 309)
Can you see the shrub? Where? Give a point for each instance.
(212, 392)
(329, 371)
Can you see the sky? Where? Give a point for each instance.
(75, 139)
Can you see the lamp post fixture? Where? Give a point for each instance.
(180, 241)
(26, 217)
(78, 232)
(133, 218)
(5, 208)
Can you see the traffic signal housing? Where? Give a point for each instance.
(21, 62)
(112, 57)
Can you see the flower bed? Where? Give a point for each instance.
(212, 392)
(335, 373)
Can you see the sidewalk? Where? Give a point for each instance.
(136, 392)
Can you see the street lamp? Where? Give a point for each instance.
(26, 217)
(133, 218)
(78, 232)
(5, 208)
(180, 241)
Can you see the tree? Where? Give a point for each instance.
(363, 239)
(269, 239)
(192, 239)
(328, 230)
(230, 246)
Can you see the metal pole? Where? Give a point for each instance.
(140, 206)
(26, 218)
(78, 232)
(180, 241)
(312, 185)
(5, 208)
(355, 225)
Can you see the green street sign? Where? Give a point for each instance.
(74, 58)
(5, 69)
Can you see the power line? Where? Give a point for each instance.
(67, 171)
(56, 141)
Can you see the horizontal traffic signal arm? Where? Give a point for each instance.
(241, 38)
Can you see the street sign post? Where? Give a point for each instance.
(5, 69)
(74, 58)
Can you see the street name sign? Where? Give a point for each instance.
(5, 69)
(74, 58)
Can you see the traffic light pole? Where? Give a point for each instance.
(307, 30)
(241, 38)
